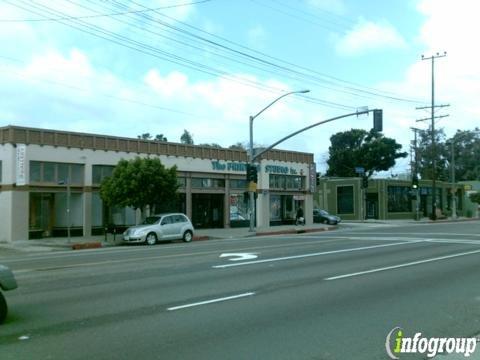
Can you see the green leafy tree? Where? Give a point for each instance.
(475, 197)
(359, 148)
(145, 136)
(140, 182)
(148, 136)
(186, 138)
(160, 138)
(426, 152)
(212, 145)
(466, 148)
(237, 146)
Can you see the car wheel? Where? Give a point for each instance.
(187, 236)
(3, 308)
(151, 239)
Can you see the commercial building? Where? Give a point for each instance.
(50, 180)
(385, 199)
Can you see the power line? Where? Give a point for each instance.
(104, 15)
(152, 51)
(310, 77)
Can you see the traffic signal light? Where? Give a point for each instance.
(415, 182)
(252, 173)
(378, 120)
(365, 182)
(318, 179)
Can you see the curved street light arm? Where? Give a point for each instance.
(274, 101)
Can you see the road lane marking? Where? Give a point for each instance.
(313, 254)
(413, 263)
(239, 256)
(211, 301)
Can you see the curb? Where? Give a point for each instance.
(89, 245)
(294, 231)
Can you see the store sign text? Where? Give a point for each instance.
(229, 166)
(242, 167)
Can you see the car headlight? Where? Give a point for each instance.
(140, 232)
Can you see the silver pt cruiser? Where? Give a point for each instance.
(170, 226)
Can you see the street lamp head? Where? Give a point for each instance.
(304, 91)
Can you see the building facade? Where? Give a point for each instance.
(385, 199)
(51, 179)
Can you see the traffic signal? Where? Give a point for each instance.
(415, 182)
(252, 173)
(378, 120)
(365, 182)
(318, 179)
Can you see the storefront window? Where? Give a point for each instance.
(239, 208)
(76, 174)
(238, 184)
(398, 199)
(275, 207)
(182, 182)
(49, 172)
(208, 183)
(287, 182)
(62, 172)
(100, 172)
(56, 173)
(35, 175)
(345, 200)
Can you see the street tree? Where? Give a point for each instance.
(186, 138)
(466, 148)
(145, 136)
(237, 146)
(139, 183)
(160, 138)
(148, 136)
(212, 145)
(359, 148)
(426, 153)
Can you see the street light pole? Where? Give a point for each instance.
(251, 155)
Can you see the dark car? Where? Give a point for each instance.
(7, 282)
(322, 216)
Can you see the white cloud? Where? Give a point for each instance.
(367, 36)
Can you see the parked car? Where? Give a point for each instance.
(160, 227)
(322, 216)
(7, 282)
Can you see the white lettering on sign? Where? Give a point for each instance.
(21, 178)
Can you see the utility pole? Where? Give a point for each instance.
(415, 174)
(434, 153)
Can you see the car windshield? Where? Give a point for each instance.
(323, 212)
(150, 220)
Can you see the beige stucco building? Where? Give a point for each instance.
(49, 181)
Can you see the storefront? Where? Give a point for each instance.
(50, 183)
(384, 199)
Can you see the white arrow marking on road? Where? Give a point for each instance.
(239, 256)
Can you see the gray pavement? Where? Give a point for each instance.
(85, 242)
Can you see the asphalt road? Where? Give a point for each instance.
(331, 295)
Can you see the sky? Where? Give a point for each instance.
(125, 68)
